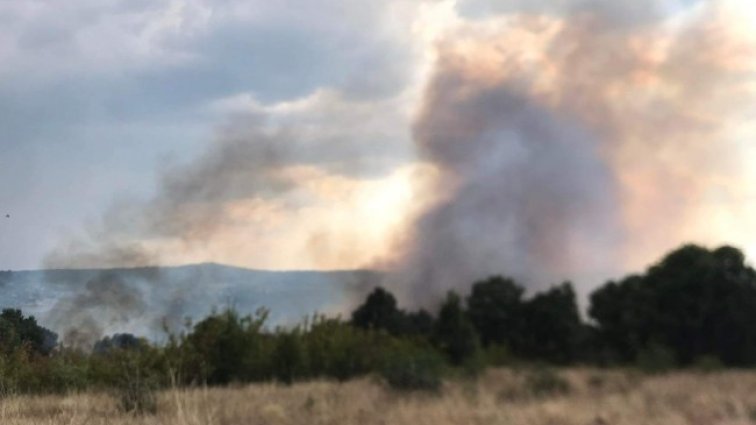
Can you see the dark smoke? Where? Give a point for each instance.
(566, 145)
(563, 144)
(251, 158)
(104, 301)
(523, 192)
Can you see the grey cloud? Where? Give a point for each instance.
(524, 192)
(248, 160)
(610, 12)
(565, 178)
(144, 107)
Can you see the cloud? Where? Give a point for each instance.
(281, 185)
(95, 37)
(139, 78)
(623, 13)
(442, 140)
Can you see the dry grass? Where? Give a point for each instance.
(500, 397)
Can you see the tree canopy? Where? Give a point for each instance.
(696, 302)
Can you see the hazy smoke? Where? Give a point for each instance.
(254, 161)
(187, 210)
(105, 300)
(572, 146)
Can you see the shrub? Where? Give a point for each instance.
(138, 398)
(498, 355)
(289, 357)
(474, 365)
(454, 334)
(545, 382)
(136, 390)
(224, 346)
(708, 364)
(411, 368)
(337, 350)
(656, 359)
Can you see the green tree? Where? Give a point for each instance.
(16, 330)
(495, 308)
(225, 344)
(695, 302)
(454, 334)
(289, 361)
(379, 311)
(552, 326)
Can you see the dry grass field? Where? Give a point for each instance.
(499, 397)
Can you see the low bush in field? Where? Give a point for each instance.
(412, 368)
(137, 397)
(545, 382)
(708, 364)
(656, 359)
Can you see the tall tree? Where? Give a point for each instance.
(695, 302)
(495, 308)
(552, 329)
(17, 330)
(379, 311)
(454, 334)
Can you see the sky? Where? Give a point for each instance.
(97, 97)
(303, 134)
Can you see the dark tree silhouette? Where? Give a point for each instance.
(454, 334)
(552, 329)
(694, 302)
(125, 341)
(17, 330)
(418, 323)
(495, 308)
(378, 312)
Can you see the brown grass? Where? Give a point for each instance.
(499, 397)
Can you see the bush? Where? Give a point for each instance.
(289, 360)
(138, 398)
(136, 390)
(337, 350)
(474, 365)
(226, 347)
(498, 355)
(656, 359)
(708, 364)
(413, 368)
(544, 382)
(454, 334)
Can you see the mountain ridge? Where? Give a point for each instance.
(60, 297)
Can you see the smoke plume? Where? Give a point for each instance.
(259, 172)
(573, 146)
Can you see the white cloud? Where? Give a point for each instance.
(52, 40)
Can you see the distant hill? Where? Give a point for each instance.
(152, 296)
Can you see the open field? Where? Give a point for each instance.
(499, 397)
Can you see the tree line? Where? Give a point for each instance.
(695, 306)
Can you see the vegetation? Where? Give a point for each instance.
(500, 396)
(693, 309)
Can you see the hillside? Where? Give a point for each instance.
(140, 300)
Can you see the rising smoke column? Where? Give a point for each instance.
(191, 207)
(574, 145)
(521, 190)
(257, 171)
(577, 144)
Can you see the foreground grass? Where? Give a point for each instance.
(499, 397)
